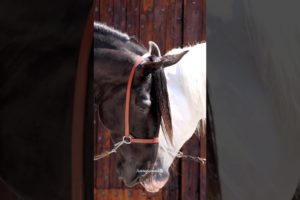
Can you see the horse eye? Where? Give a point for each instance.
(143, 104)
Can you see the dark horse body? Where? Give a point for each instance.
(114, 55)
(39, 46)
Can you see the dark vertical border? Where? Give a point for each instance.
(77, 149)
(88, 134)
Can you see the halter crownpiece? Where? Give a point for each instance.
(128, 138)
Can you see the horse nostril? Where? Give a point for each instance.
(119, 164)
(119, 168)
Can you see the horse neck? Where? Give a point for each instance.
(115, 42)
(187, 78)
(187, 93)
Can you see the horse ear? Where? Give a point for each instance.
(154, 63)
(169, 60)
(154, 49)
(150, 65)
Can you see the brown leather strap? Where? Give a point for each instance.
(129, 138)
(77, 181)
(144, 141)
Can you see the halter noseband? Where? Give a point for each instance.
(128, 138)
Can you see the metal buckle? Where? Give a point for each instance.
(127, 139)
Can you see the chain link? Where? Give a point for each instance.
(107, 153)
(194, 158)
(179, 154)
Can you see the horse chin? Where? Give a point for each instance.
(130, 184)
(151, 184)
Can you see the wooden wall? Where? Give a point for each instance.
(169, 23)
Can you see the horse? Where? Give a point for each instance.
(186, 83)
(128, 80)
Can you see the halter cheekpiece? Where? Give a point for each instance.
(128, 138)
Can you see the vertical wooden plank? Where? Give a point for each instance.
(113, 13)
(120, 15)
(171, 189)
(193, 29)
(203, 18)
(114, 181)
(190, 171)
(133, 18)
(193, 21)
(203, 166)
(203, 138)
(103, 165)
(119, 23)
(95, 145)
(106, 12)
(173, 38)
(159, 23)
(97, 10)
(146, 20)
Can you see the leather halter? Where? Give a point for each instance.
(128, 138)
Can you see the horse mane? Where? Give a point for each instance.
(162, 100)
(191, 73)
(107, 37)
(102, 29)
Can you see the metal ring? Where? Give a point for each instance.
(127, 139)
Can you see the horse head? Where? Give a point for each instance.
(148, 107)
